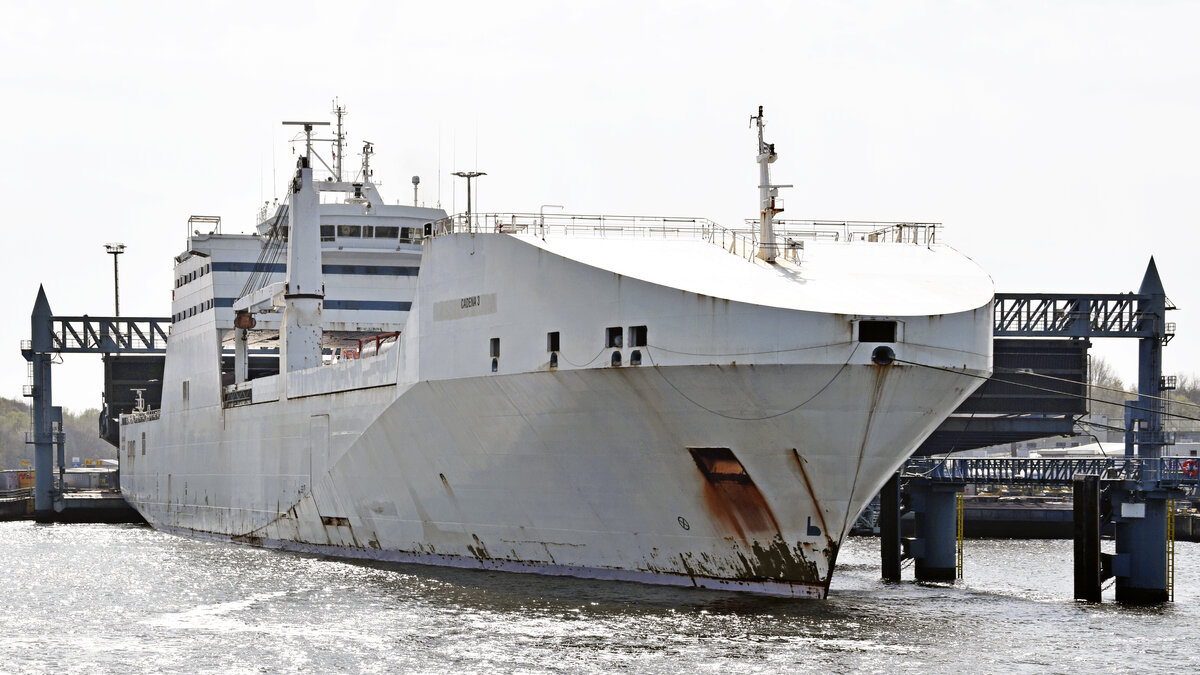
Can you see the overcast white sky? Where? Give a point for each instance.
(1058, 141)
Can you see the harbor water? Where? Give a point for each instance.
(113, 598)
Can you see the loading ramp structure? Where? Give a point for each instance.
(133, 349)
(1038, 388)
(1040, 367)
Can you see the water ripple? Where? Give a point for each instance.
(99, 599)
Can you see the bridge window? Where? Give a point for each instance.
(387, 231)
(328, 233)
(349, 230)
(876, 331)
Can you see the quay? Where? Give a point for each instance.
(1134, 496)
(99, 500)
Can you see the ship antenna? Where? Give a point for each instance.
(368, 150)
(768, 195)
(308, 138)
(338, 139)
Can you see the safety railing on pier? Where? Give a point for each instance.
(1051, 471)
(10, 485)
(15, 494)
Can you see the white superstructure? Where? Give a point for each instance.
(651, 399)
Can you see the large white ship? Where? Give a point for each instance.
(650, 399)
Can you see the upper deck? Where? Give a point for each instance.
(846, 267)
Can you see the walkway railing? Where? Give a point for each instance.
(1051, 471)
(15, 494)
(790, 235)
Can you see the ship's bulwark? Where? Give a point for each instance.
(742, 477)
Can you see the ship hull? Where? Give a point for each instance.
(591, 473)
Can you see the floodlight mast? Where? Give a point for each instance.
(116, 249)
(469, 175)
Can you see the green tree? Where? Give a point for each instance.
(81, 434)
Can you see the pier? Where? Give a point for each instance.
(98, 501)
(1133, 494)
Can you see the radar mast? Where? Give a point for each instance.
(768, 195)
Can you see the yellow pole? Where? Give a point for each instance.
(959, 557)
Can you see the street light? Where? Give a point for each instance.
(469, 175)
(116, 250)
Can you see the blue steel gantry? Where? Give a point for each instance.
(1138, 499)
(50, 336)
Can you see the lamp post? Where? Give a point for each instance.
(469, 175)
(116, 250)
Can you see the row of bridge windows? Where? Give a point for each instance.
(334, 232)
(193, 311)
(193, 275)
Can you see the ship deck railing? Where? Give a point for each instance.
(744, 244)
(869, 231)
(140, 416)
(790, 235)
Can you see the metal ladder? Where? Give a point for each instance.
(1171, 549)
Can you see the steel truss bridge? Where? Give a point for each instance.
(1040, 343)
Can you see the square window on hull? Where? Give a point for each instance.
(876, 331)
(637, 336)
(719, 465)
(612, 337)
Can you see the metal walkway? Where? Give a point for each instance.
(1168, 471)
